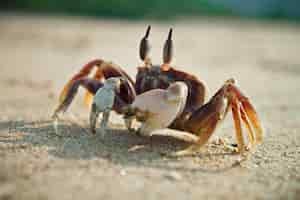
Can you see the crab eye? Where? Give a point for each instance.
(168, 48)
(145, 46)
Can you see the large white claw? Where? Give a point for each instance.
(162, 106)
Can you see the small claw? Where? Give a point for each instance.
(93, 118)
(104, 122)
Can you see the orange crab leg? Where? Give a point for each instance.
(247, 113)
(205, 119)
(85, 71)
(105, 70)
(203, 133)
(250, 112)
(248, 126)
(238, 126)
(91, 85)
(88, 95)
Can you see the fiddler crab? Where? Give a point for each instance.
(162, 97)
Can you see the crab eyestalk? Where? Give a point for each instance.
(145, 48)
(168, 49)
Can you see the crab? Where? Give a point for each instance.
(195, 122)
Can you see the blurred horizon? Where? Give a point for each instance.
(159, 9)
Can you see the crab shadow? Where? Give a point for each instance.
(118, 146)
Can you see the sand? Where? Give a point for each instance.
(39, 54)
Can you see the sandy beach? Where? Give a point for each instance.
(39, 54)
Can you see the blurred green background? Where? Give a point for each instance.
(162, 9)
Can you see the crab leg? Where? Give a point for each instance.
(204, 121)
(248, 126)
(205, 129)
(237, 123)
(91, 85)
(88, 95)
(250, 112)
(105, 70)
(181, 135)
(94, 113)
(93, 120)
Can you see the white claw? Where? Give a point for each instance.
(162, 106)
(103, 102)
